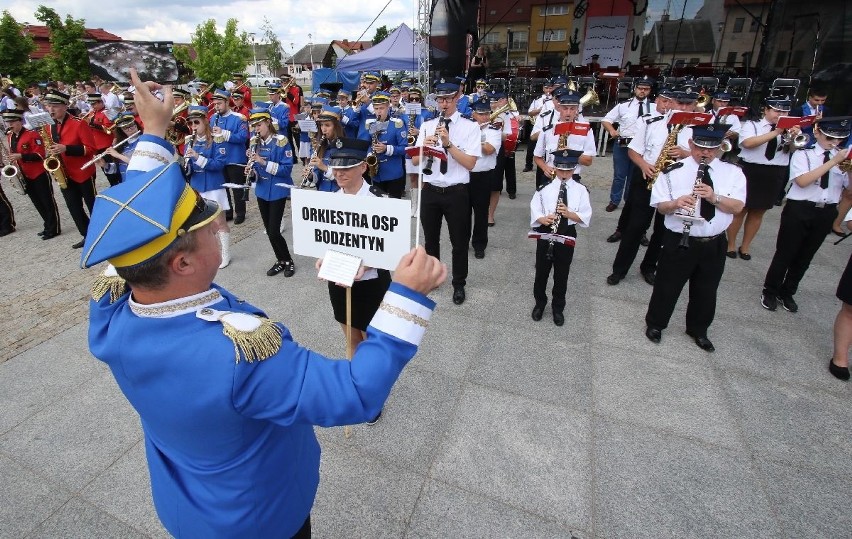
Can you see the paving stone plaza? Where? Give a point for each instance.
(500, 426)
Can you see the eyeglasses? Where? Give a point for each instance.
(195, 122)
(414, 100)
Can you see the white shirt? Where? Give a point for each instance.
(728, 181)
(466, 136)
(493, 137)
(627, 116)
(548, 142)
(540, 102)
(804, 161)
(651, 136)
(364, 191)
(111, 103)
(544, 202)
(731, 119)
(757, 155)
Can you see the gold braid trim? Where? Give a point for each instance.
(152, 155)
(402, 313)
(255, 345)
(115, 285)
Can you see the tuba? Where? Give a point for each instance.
(591, 98)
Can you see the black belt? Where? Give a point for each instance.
(450, 189)
(699, 239)
(810, 204)
(622, 141)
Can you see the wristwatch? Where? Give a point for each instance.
(716, 200)
(448, 146)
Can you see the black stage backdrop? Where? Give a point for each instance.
(451, 23)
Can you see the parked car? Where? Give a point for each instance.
(260, 80)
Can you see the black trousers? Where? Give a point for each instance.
(271, 213)
(702, 264)
(639, 215)
(452, 205)
(803, 230)
(235, 174)
(115, 177)
(40, 191)
(561, 264)
(479, 192)
(75, 195)
(7, 214)
(506, 168)
(528, 161)
(541, 178)
(394, 188)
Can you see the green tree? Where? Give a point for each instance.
(274, 56)
(69, 58)
(381, 33)
(15, 48)
(216, 55)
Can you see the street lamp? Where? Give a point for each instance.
(311, 45)
(508, 43)
(254, 54)
(293, 58)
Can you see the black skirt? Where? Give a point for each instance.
(366, 298)
(844, 288)
(763, 184)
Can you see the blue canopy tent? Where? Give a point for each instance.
(349, 79)
(396, 52)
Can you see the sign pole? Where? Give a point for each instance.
(347, 429)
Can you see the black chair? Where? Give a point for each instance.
(740, 89)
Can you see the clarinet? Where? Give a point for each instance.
(187, 162)
(555, 226)
(687, 223)
(427, 167)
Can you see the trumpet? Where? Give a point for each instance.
(115, 146)
(172, 134)
(790, 143)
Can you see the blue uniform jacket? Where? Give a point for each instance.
(279, 156)
(236, 134)
(392, 163)
(350, 119)
(230, 444)
(280, 112)
(207, 167)
(127, 151)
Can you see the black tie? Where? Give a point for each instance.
(641, 108)
(771, 146)
(708, 211)
(823, 182)
(444, 162)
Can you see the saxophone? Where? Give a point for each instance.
(373, 159)
(11, 171)
(53, 164)
(663, 160)
(690, 214)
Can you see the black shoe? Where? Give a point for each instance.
(289, 268)
(479, 253)
(512, 196)
(702, 342)
(614, 279)
(458, 295)
(239, 219)
(78, 245)
(744, 256)
(644, 240)
(491, 224)
(654, 335)
(611, 207)
(769, 301)
(838, 233)
(49, 235)
(537, 313)
(7, 232)
(650, 277)
(558, 318)
(41, 233)
(789, 304)
(375, 419)
(841, 373)
(229, 215)
(527, 168)
(731, 254)
(614, 237)
(275, 269)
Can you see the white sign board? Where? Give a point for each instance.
(605, 36)
(377, 230)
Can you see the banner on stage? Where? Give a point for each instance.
(377, 230)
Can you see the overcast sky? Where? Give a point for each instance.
(292, 20)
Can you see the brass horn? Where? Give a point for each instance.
(590, 99)
(703, 101)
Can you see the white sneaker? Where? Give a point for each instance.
(225, 241)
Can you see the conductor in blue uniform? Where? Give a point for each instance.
(226, 398)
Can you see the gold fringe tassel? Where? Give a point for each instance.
(257, 344)
(115, 285)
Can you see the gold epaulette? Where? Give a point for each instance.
(398, 122)
(280, 140)
(109, 281)
(255, 338)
